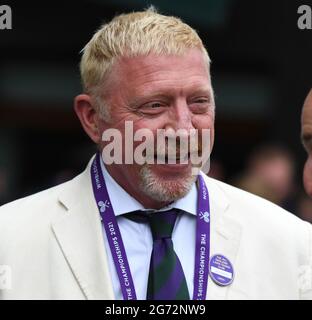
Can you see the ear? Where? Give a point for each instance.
(88, 116)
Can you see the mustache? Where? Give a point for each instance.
(170, 153)
(186, 147)
(174, 148)
(177, 145)
(174, 154)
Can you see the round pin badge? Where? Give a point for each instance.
(221, 270)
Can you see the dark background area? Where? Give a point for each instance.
(261, 73)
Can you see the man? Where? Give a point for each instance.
(150, 230)
(306, 124)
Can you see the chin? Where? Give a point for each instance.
(162, 188)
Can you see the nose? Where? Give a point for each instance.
(180, 117)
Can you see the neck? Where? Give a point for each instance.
(134, 191)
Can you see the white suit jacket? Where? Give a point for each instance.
(51, 244)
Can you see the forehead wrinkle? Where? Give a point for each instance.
(166, 86)
(172, 86)
(154, 77)
(152, 65)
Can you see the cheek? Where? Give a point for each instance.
(307, 176)
(152, 123)
(207, 122)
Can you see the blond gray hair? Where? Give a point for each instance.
(133, 34)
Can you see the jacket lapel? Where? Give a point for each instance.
(225, 236)
(79, 235)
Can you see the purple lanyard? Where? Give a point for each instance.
(118, 250)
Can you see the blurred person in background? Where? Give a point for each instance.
(150, 231)
(306, 134)
(270, 174)
(305, 204)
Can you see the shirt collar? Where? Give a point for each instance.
(122, 202)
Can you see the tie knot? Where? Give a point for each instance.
(162, 223)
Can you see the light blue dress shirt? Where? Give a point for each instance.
(138, 241)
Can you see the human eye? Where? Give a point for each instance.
(152, 107)
(202, 100)
(200, 104)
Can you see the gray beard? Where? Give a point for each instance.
(164, 190)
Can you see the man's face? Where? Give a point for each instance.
(160, 92)
(306, 122)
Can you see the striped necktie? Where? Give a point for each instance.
(166, 279)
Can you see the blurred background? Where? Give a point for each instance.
(261, 73)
